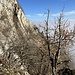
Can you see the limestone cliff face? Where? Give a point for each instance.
(18, 35)
(13, 22)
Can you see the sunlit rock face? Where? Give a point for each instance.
(18, 35)
(13, 29)
(13, 22)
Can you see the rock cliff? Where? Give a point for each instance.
(19, 38)
(13, 21)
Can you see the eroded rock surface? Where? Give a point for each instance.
(19, 36)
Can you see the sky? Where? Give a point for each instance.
(36, 10)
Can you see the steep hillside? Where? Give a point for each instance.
(19, 36)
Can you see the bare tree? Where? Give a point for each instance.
(61, 39)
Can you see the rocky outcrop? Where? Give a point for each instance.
(13, 21)
(20, 38)
(12, 31)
